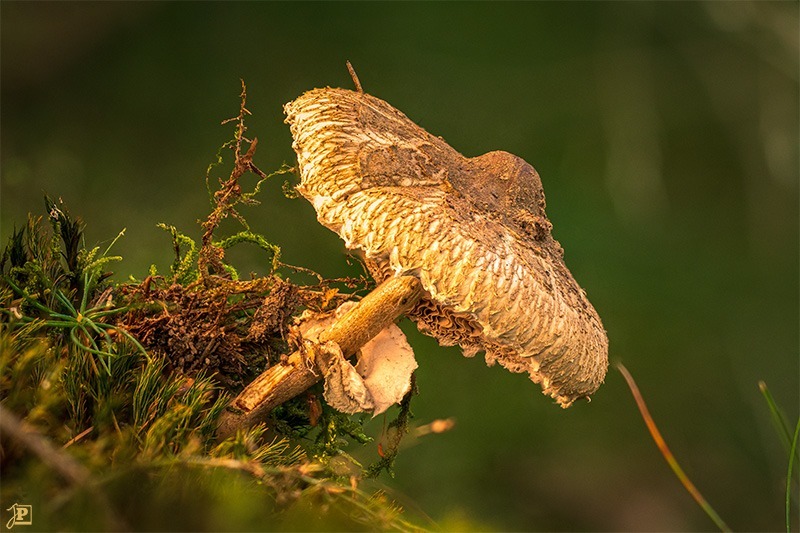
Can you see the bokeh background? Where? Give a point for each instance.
(666, 135)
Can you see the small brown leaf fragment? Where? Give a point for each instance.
(314, 409)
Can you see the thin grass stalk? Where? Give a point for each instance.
(85, 298)
(777, 417)
(789, 471)
(668, 456)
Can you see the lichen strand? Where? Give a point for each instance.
(473, 230)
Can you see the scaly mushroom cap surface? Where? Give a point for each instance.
(473, 230)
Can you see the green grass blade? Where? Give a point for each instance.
(62, 316)
(59, 323)
(85, 298)
(789, 471)
(101, 311)
(778, 419)
(103, 332)
(135, 342)
(65, 301)
(101, 355)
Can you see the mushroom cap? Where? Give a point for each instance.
(473, 230)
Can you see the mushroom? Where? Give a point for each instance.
(461, 245)
(472, 230)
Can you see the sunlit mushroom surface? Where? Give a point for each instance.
(473, 230)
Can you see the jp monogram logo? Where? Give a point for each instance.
(21, 515)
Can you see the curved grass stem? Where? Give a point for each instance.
(778, 418)
(85, 297)
(789, 479)
(91, 349)
(665, 451)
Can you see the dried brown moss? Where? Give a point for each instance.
(232, 329)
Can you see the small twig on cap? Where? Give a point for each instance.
(353, 75)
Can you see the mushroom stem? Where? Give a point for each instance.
(300, 371)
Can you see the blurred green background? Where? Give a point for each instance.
(666, 135)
